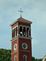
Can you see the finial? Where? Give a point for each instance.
(20, 12)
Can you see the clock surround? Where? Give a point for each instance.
(24, 46)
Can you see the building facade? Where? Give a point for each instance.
(21, 40)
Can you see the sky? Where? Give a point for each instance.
(33, 10)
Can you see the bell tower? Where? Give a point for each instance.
(21, 40)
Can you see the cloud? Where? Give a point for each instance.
(33, 9)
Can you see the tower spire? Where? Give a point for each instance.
(20, 12)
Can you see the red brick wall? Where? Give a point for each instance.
(20, 51)
(28, 52)
(13, 53)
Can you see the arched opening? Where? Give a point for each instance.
(25, 58)
(15, 59)
(20, 30)
(24, 31)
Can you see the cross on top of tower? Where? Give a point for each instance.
(20, 12)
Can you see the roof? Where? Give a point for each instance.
(21, 20)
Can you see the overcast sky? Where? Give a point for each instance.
(34, 10)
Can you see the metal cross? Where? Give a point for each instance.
(20, 12)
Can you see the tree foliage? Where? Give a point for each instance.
(5, 55)
(34, 59)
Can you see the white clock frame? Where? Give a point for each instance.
(15, 46)
(25, 45)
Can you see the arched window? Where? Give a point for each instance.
(20, 30)
(13, 33)
(16, 31)
(25, 58)
(24, 31)
(27, 32)
(15, 58)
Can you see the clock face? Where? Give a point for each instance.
(15, 46)
(24, 46)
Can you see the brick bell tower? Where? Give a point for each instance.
(21, 40)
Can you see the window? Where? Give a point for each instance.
(15, 58)
(15, 46)
(13, 33)
(24, 58)
(24, 31)
(27, 32)
(20, 30)
(16, 31)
